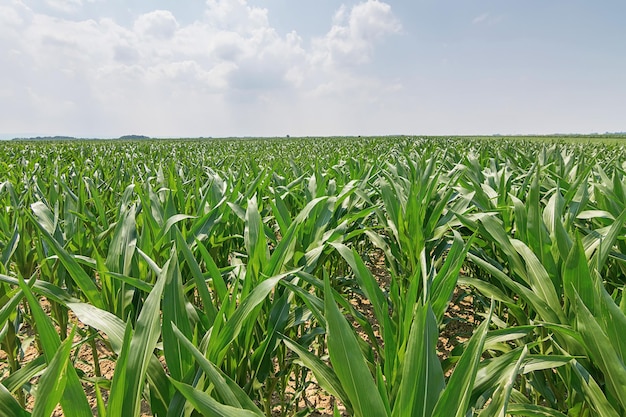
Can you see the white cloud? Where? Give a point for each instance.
(372, 20)
(236, 15)
(486, 19)
(67, 6)
(481, 18)
(105, 75)
(352, 38)
(340, 15)
(160, 24)
(13, 18)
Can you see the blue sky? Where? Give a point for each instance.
(96, 68)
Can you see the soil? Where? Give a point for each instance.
(84, 364)
(459, 324)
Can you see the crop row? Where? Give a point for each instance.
(236, 277)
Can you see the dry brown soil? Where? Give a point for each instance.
(460, 323)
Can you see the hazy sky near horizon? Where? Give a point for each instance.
(97, 68)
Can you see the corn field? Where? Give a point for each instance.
(243, 277)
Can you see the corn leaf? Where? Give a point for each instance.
(175, 314)
(52, 383)
(422, 377)
(73, 400)
(601, 352)
(208, 406)
(349, 363)
(454, 400)
(9, 407)
(139, 351)
(226, 389)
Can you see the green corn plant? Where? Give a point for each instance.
(198, 265)
(421, 389)
(542, 263)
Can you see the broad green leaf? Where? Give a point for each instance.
(172, 221)
(9, 407)
(208, 406)
(577, 277)
(445, 280)
(45, 217)
(207, 301)
(140, 349)
(10, 248)
(348, 361)
(175, 314)
(500, 399)
(73, 400)
(454, 401)
(227, 389)
(254, 238)
(612, 320)
(220, 341)
(532, 410)
(537, 303)
(102, 320)
(115, 405)
(594, 395)
(123, 242)
(80, 277)
(539, 279)
(52, 383)
(601, 352)
(324, 375)
(422, 377)
(23, 375)
(607, 243)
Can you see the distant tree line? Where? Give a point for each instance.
(43, 138)
(134, 137)
(52, 138)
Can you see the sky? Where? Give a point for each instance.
(165, 68)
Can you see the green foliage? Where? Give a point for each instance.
(229, 277)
